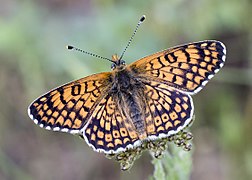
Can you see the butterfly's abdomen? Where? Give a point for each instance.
(135, 112)
(129, 92)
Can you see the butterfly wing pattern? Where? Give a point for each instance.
(68, 107)
(187, 67)
(108, 129)
(87, 106)
(171, 76)
(170, 110)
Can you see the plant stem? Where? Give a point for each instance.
(175, 164)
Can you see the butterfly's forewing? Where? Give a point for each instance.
(170, 110)
(186, 67)
(68, 107)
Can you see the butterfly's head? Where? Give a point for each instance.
(118, 63)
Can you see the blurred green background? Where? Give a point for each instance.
(33, 59)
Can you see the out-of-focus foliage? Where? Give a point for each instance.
(33, 60)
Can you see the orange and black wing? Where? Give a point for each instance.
(108, 129)
(68, 107)
(187, 67)
(168, 110)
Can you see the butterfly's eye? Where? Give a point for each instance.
(122, 62)
(113, 66)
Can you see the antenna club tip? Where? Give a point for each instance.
(69, 47)
(142, 18)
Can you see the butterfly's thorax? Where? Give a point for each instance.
(129, 92)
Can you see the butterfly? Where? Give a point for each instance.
(146, 100)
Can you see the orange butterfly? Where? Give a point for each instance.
(146, 100)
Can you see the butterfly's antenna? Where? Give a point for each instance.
(141, 20)
(85, 52)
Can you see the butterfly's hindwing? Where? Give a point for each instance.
(170, 110)
(108, 130)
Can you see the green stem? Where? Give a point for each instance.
(175, 164)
